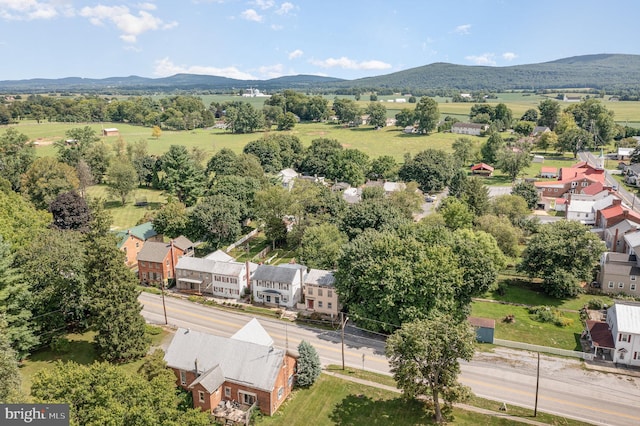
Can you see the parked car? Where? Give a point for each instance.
(431, 198)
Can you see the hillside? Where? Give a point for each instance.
(610, 72)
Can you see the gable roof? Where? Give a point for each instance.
(626, 315)
(142, 232)
(220, 256)
(210, 380)
(547, 169)
(320, 277)
(279, 274)
(253, 332)
(460, 124)
(203, 264)
(600, 334)
(482, 166)
(154, 251)
(593, 189)
(183, 243)
(250, 364)
(632, 239)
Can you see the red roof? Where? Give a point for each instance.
(618, 210)
(482, 322)
(561, 201)
(553, 170)
(482, 166)
(600, 334)
(593, 189)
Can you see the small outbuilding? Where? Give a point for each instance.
(482, 169)
(485, 329)
(110, 131)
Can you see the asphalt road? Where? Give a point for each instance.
(508, 376)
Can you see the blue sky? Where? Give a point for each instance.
(263, 39)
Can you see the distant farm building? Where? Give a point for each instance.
(110, 131)
(474, 129)
(482, 169)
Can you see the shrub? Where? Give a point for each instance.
(308, 365)
(152, 330)
(595, 304)
(60, 345)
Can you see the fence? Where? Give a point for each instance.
(242, 240)
(546, 349)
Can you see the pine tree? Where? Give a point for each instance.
(308, 365)
(9, 373)
(114, 300)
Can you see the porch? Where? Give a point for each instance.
(233, 413)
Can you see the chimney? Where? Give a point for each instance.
(196, 363)
(248, 273)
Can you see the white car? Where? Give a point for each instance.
(430, 198)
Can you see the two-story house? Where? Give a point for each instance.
(157, 260)
(239, 372)
(623, 319)
(619, 273)
(319, 292)
(279, 285)
(571, 180)
(131, 241)
(217, 278)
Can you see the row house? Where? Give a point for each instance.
(619, 273)
(279, 285)
(131, 241)
(618, 337)
(227, 376)
(216, 278)
(319, 293)
(583, 208)
(475, 129)
(157, 260)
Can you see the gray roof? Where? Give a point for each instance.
(203, 264)
(183, 243)
(153, 251)
(253, 332)
(320, 277)
(627, 316)
(220, 256)
(210, 380)
(279, 274)
(620, 264)
(242, 362)
(469, 125)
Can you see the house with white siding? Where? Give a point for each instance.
(279, 285)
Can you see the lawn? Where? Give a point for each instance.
(332, 401)
(81, 351)
(128, 215)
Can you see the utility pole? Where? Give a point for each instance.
(343, 322)
(164, 307)
(535, 410)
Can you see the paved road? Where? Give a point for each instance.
(629, 198)
(565, 388)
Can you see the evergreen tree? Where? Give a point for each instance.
(114, 299)
(308, 365)
(9, 373)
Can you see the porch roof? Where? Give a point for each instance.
(600, 334)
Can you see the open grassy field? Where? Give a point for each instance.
(128, 215)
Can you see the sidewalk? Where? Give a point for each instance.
(460, 406)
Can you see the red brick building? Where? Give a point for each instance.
(131, 241)
(157, 260)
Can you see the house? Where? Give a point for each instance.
(390, 122)
(539, 130)
(391, 187)
(484, 327)
(319, 292)
(623, 319)
(482, 169)
(228, 376)
(571, 180)
(213, 276)
(475, 129)
(279, 285)
(584, 208)
(615, 213)
(110, 131)
(131, 241)
(631, 243)
(409, 130)
(619, 273)
(157, 260)
(613, 236)
(352, 195)
(566, 98)
(548, 172)
(624, 153)
(632, 174)
(287, 176)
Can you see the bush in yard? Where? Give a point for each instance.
(595, 304)
(308, 365)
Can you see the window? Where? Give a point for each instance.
(200, 396)
(183, 377)
(329, 305)
(290, 381)
(319, 303)
(319, 292)
(310, 291)
(610, 284)
(632, 287)
(247, 398)
(620, 285)
(280, 392)
(329, 293)
(632, 278)
(144, 276)
(621, 356)
(227, 392)
(636, 355)
(624, 337)
(137, 245)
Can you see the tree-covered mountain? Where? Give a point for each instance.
(611, 72)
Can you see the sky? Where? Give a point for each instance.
(263, 39)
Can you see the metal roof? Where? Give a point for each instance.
(243, 362)
(320, 277)
(278, 274)
(153, 251)
(254, 333)
(626, 315)
(202, 264)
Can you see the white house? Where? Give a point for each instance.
(287, 176)
(217, 278)
(469, 128)
(624, 153)
(279, 285)
(623, 319)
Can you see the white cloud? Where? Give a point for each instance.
(17, 10)
(251, 15)
(147, 6)
(271, 71)
(164, 68)
(129, 24)
(484, 59)
(350, 64)
(463, 29)
(263, 4)
(285, 8)
(509, 56)
(296, 54)
(275, 27)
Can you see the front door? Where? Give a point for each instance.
(309, 304)
(277, 298)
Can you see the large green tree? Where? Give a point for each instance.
(527, 191)
(19, 220)
(432, 169)
(9, 373)
(506, 235)
(549, 113)
(385, 280)
(216, 220)
(491, 148)
(243, 118)
(122, 179)
(320, 246)
(183, 175)
(566, 246)
(379, 214)
(70, 212)
(272, 205)
(16, 155)
(377, 114)
(318, 156)
(427, 114)
(463, 150)
(424, 358)
(171, 220)
(513, 160)
(45, 179)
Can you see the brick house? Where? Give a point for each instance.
(242, 371)
(320, 293)
(157, 260)
(132, 240)
(571, 180)
(615, 213)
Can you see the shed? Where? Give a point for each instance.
(538, 159)
(485, 328)
(110, 131)
(482, 169)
